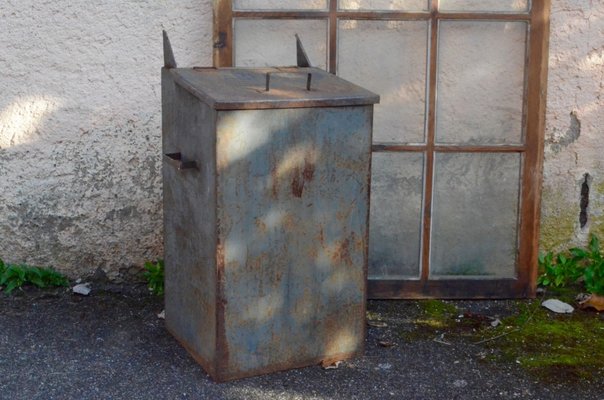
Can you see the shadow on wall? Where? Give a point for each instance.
(62, 201)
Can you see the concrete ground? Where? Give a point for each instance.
(111, 345)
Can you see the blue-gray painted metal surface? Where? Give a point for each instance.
(275, 277)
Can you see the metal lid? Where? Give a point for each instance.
(288, 87)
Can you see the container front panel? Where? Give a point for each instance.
(189, 222)
(292, 210)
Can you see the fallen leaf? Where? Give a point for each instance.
(386, 343)
(330, 363)
(593, 301)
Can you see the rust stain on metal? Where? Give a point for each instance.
(342, 251)
(309, 169)
(297, 183)
(262, 228)
(274, 180)
(222, 344)
(307, 175)
(289, 222)
(322, 236)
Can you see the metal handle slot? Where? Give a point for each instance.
(268, 79)
(176, 160)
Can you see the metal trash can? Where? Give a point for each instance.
(266, 193)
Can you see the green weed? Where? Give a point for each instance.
(15, 276)
(572, 266)
(155, 276)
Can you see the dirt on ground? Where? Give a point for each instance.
(111, 345)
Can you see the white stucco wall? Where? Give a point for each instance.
(80, 127)
(80, 184)
(574, 123)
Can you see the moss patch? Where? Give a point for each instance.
(597, 226)
(437, 309)
(550, 346)
(436, 318)
(558, 220)
(599, 188)
(562, 348)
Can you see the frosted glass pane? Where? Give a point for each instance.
(484, 5)
(475, 215)
(262, 43)
(395, 215)
(394, 5)
(388, 58)
(280, 4)
(480, 82)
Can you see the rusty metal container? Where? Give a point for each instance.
(266, 196)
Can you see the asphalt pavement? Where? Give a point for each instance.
(111, 345)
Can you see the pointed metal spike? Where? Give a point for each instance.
(302, 57)
(169, 61)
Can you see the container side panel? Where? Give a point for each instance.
(292, 209)
(190, 220)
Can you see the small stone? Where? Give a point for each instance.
(558, 306)
(82, 288)
(496, 323)
(384, 366)
(376, 324)
(460, 383)
(162, 315)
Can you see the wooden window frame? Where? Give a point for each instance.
(524, 285)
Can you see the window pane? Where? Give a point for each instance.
(395, 215)
(398, 75)
(280, 4)
(394, 5)
(484, 5)
(475, 214)
(261, 43)
(480, 82)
